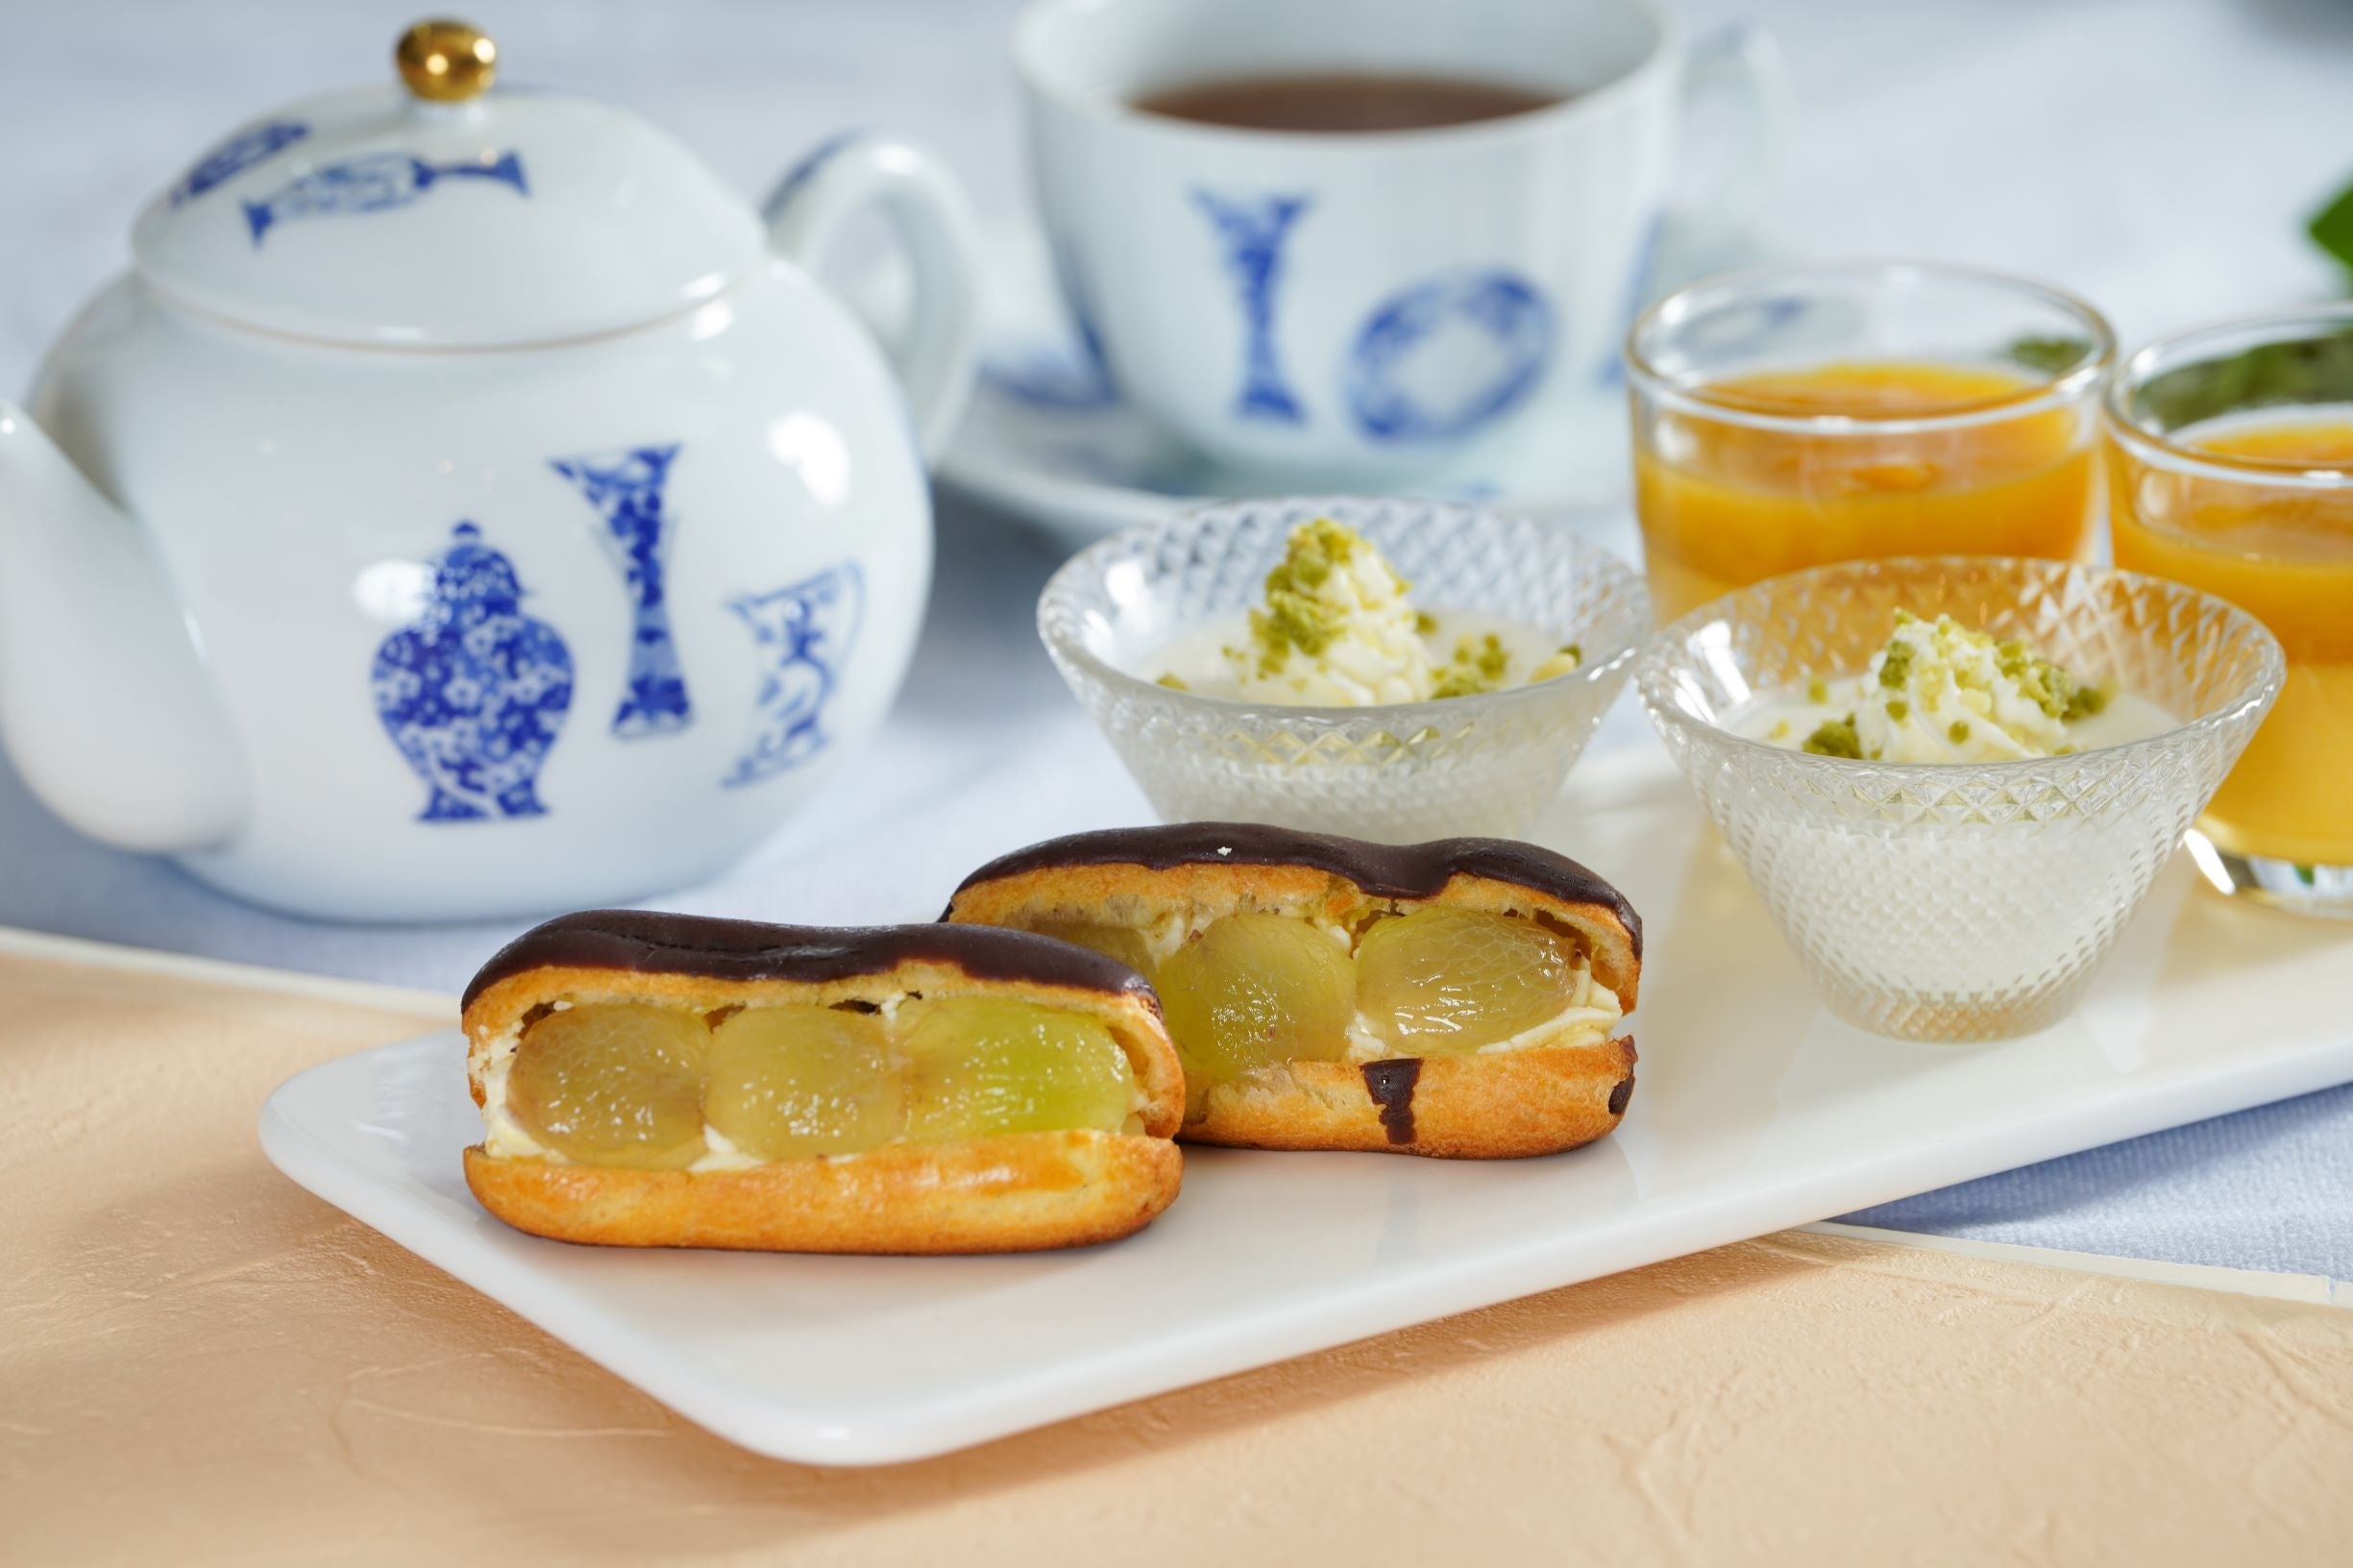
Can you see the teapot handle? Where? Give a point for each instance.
(935, 350)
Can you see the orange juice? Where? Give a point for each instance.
(1723, 503)
(2285, 555)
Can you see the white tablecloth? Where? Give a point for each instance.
(2156, 155)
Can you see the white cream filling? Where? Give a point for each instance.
(502, 1135)
(719, 1153)
(1174, 929)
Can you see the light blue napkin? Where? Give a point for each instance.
(2269, 1189)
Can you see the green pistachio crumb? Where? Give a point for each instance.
(1817, 689)
(2084, 701)
(1424, 623)
(1294, 616)
(1174, 682)
(1493, 660)
(1456, 680)
(1898, 709)
(1313, 550)
(1835, 738)
(1575, 653)
(1476, 667)
(1896, 667)
(1778, 732)
(1290, 621)
(1957, 731)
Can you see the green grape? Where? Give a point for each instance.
(1255, 989)
(979, 1065)
(792, 1081)
(1123, 943)
(1443, 980)
(613, 1084)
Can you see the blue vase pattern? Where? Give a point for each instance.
(625, 488)
(1441, 358)
(1252, 231)
(236, 155)
(475, 692)
(802, 633)
(372, 182)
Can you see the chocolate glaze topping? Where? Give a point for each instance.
(640, 942)
(1385, 871)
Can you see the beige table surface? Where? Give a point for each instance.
(200, 1362)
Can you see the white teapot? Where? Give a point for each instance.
(466, 506)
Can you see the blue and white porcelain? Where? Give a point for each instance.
(473, 508)
(372, 183)
(625, 488)
(476, 692)
(803, 636)
(1357, 308)
(1051, 438)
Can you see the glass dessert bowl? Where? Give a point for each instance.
(1119, 615)
(1966, 899)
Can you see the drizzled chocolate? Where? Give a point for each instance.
(643, 942)
(1383, 870)
(1390, 1084)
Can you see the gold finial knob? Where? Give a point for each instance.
(447, 61)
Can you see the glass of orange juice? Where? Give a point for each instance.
(1790, 417)
(2230, 453)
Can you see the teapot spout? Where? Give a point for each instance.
(106, 705)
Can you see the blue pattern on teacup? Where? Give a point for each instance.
(627, 487)
(802, 633)
(236, 155)
(1252, 231)
(475, 692)
(1406, 375)
(372, 182)
(1072, 375)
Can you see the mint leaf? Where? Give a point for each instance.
(2314, 370)
(2332, 229)
(2053, 357)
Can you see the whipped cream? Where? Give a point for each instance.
(1336, 629)
(1942, 693)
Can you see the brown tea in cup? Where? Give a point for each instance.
(1342, 100)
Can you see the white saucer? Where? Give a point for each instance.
(1047, 441)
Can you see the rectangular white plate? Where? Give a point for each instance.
(1753, 1111)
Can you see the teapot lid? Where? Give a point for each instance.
(437, 213)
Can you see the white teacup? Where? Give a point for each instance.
(1352, 306)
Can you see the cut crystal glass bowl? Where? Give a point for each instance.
(1487, 764)
(1958, 901)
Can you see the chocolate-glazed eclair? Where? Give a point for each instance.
(1460, 997)
(666, 1079)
